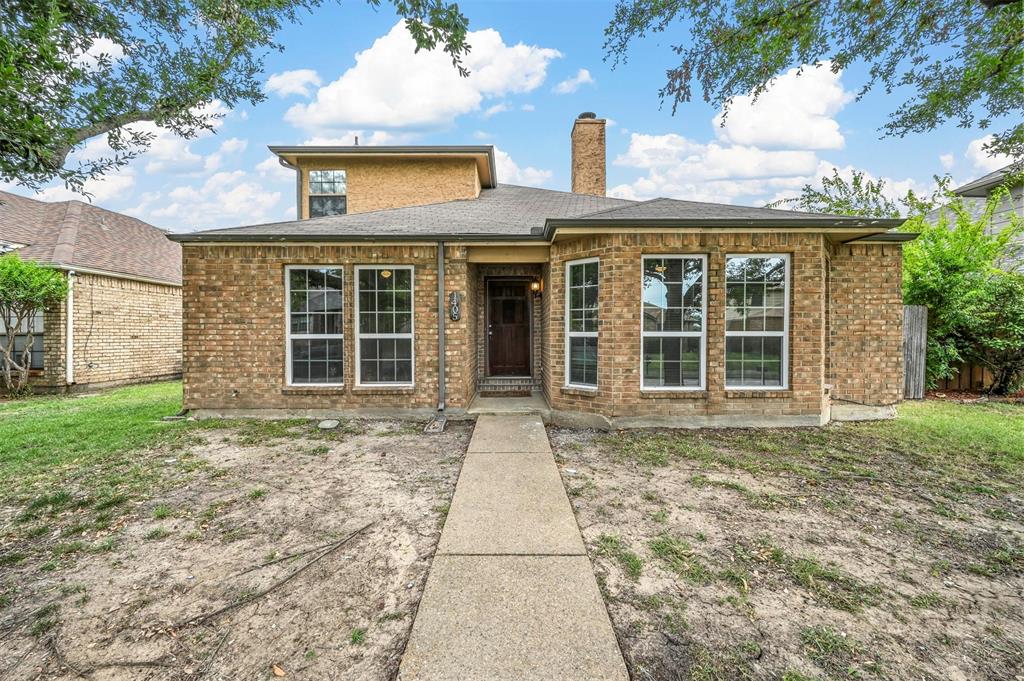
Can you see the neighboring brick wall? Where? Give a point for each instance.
(588, 156)
(126, 331)
(619, 393)
(234, 331)
(379, 183)
(867, 323)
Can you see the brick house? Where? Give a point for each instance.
(409, 263)
(121, 322)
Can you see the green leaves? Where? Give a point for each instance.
(959, 61)
(71, 70)
(975, 307)
(26, 285)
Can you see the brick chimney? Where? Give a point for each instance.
(588, 154)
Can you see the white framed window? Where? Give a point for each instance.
(581, 318)
(756, 321)
(314, 340)
(673, 323)
(328, 193)
(384, 325)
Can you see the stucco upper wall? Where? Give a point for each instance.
(381, 183)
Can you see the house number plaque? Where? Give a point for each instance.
(455, 306)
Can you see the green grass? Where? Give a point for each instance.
(40, 434)
(357, 636)
(834, 652)
(613, 547)
(678, 557)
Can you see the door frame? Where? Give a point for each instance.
(524, 279)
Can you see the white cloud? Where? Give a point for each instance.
(894, 189)
(481, 135)
(393, 86)
(372, 137)
(573, 83)
(527, 107)
(509, 171)
(100, 47)
(498, 108)
(271, 169)
(232, 145)
(110, 186)
(224, 198)
(981, 160)
(297, 82)
(796, 112)
(947, 161)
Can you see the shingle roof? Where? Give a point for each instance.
(77, 234)
(674, 209)
(985, 183)
(513, 212)
(505, 211)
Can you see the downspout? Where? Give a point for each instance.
(298, 185)
(440, 328)
(69, 333)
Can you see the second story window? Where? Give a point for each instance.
(327, 193)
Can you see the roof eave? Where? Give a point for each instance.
(205, 237)
(881, 224)
(286, 151)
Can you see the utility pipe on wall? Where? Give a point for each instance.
(69, 334)
(440, 327)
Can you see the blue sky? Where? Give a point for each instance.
(535, 66)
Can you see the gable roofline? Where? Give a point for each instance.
(981, 186)
(483, 153)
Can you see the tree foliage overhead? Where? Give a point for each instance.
(74, 69)
(26, 288)
(863, 197)
(962, 60)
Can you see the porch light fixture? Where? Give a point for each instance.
(536, 286)
(385, 274)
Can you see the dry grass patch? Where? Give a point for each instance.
(218, 549)
(886, 550)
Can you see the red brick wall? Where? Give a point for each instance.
(234, 331)
(867, 323)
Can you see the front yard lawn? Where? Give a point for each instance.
(890, 550)
(122, 537)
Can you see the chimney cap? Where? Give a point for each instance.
(586, 115)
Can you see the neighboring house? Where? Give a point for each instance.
(414, 262)
(121, 322)
(983, 187)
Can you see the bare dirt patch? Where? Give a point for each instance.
(124, 591)
(844, 552)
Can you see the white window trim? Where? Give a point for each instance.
(702, 334)
(784, 334)
(569, 335)
(412, 325)
(300, 336)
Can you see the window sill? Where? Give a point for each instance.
(582, 392)
(751, 393)
(312, 389)
(384, 390)
(674, 394)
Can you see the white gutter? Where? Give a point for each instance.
(69, 334)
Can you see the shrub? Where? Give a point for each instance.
(26, 288)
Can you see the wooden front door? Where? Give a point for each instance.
(508, 328)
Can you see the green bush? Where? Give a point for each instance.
(26, 287)
(955, 267)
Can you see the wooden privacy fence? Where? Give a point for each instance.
(915, 342)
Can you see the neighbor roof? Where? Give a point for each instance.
(984, 184)
(74, 234)
(482, 154)
(510, 212)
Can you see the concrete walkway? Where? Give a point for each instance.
(511, 593)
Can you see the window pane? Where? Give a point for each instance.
(321, 206)
(583, 361)
(671, 362)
